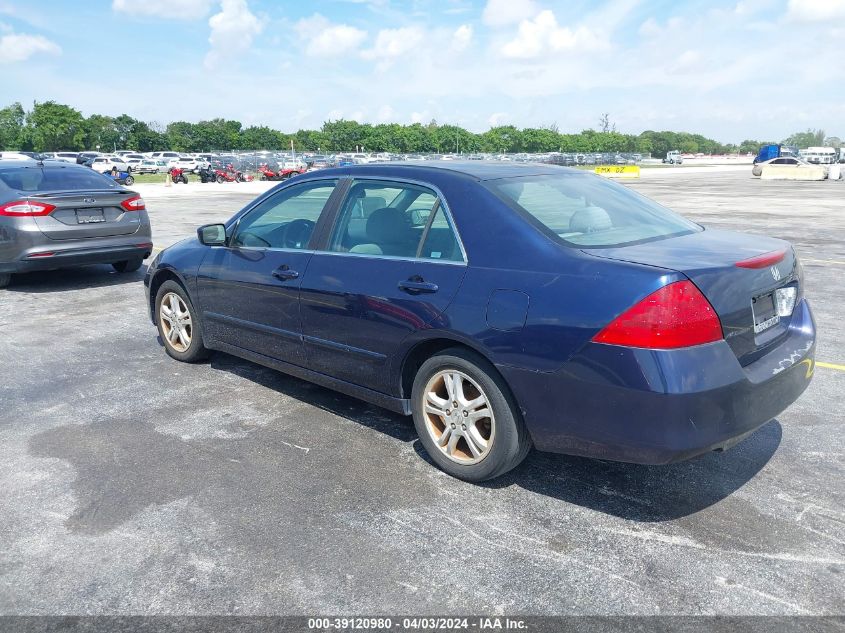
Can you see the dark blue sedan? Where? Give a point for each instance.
(503, 306)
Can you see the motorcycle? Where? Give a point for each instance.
(177, 175)
(230, 174)
(267, 173)
(286, 173)
(208, 174)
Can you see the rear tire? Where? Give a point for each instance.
(5, 279)
(178, 324)
(128, 266)
(491, 435)
(220, 180)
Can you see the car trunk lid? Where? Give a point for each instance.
(738, 293)
(83, 214)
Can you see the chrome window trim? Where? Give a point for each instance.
(426, 260)
(419, 183)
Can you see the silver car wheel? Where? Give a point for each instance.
(458, 417)
(176, 322)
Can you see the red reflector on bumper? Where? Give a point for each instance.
(47, 254)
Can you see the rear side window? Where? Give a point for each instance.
(55, 179)
(590, 211)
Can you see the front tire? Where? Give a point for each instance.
(178, 324)
(129, 181)
(5, 279)
(128, 266)
(466, 418)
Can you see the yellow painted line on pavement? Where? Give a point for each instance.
(830, 366)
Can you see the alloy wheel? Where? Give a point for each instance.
(458, 416)
(176, 322)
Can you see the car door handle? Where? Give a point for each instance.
(285, 273)
(417, 286)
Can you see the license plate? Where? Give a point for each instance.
(90, 216)
(765, 314)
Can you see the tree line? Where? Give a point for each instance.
(51, 126)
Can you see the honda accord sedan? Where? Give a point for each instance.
(503, 306)
(55, 215)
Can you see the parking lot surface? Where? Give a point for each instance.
(133, 484)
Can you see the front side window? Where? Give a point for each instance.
(393, 219)
(589, 211)
(285, 220)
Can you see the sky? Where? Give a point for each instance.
(728, 69)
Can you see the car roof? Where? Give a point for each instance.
(32, 163)
(477, 170)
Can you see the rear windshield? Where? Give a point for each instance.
(55, 179)
(589, 211)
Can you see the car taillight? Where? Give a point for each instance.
(677, 315)
(135, 203)
(26, 208)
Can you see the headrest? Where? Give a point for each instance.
(590, 220)
(387, 225)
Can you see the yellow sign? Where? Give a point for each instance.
(619, 171)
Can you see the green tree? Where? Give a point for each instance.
(803, 140)
(262, 137)
(181, 136)
(100, 132)
(52, 126)
(12, 120)
(504, 138)
(344, 136)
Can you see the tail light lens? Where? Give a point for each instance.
(135, 203)
(677, 315)
(26, 208)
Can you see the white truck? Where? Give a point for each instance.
(673, 157)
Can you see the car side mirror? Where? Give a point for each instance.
(212, 235)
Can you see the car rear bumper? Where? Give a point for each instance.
(662, 406)
(79, 256)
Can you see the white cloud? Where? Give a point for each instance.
(815, 10)
(393, 43)
(462, 38)
(496, 118)
(171, 9)
(649, 28)
(322, 38)
(18, 47)
(385, 114)
(232, 31)
(543, 34)
(505, 12)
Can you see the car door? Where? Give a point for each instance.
(390, 266)
(249, 289)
